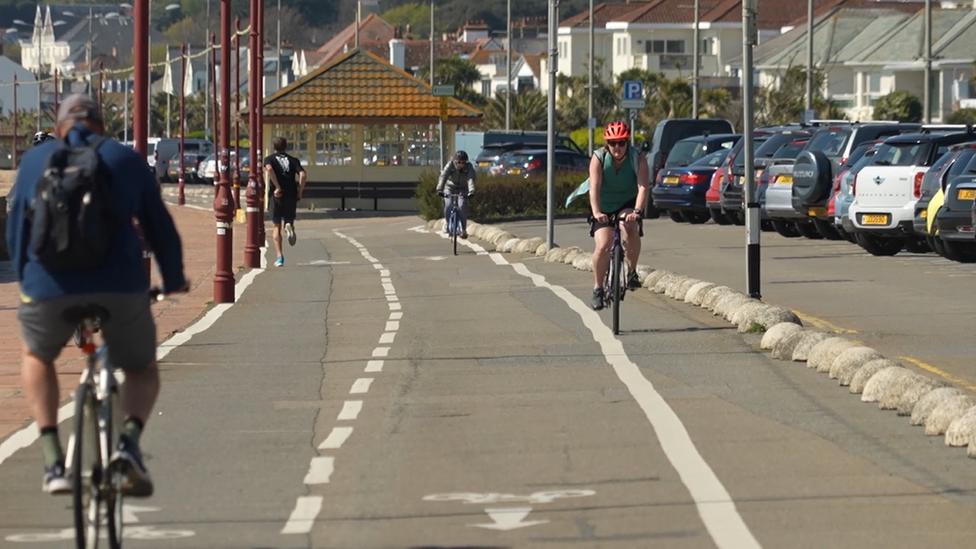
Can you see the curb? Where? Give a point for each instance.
(929, 402)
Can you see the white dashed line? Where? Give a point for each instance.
(381, 352)
(320, 470)
(387, 337)
(396, 316)
(374, 366)
(385, 273)
(336, 438)
(361, 386)
(392, 326)
(392, 298)
(307, 508)
(350, 410)
(395, 306)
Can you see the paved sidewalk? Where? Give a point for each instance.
(198, 234)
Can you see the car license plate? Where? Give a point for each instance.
(815, 212)
(924, 214)
(966, 194)
(671, 180)
(785, 180)
(484, 164)
(742, 181)
(515, 171)
(874, 219)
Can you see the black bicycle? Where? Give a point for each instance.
(94, 480)
(615, 283)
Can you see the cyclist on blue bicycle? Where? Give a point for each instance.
(618, 186)
(456, 172)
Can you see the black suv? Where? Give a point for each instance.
(766, 142)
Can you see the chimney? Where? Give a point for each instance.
(398, 53)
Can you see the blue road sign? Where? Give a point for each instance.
(633, 89)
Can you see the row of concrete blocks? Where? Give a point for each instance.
(934, 404)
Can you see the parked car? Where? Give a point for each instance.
(169, 148)
(827, 227)
(955, 218)
(785, 154)
(950, 165)
(841, 203)
(882, 214)
(191, 163)
(667, 133)
(535, 161)
(713, 196)
(681, 190)
(731, 189)
(208, 168)
(690, 149)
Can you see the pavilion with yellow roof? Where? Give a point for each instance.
(360, 124)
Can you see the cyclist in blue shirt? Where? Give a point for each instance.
(119, 285)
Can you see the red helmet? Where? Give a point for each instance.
(616, 131)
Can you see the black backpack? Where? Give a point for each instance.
(71, 218)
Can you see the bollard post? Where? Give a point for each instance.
(223, 199)
(259, 105)
(237, 108)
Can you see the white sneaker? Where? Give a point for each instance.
(290, 232)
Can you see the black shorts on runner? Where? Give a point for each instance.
(630, 205)
(283, 210)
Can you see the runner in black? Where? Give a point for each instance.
(287, 177)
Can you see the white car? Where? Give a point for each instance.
(886, 190)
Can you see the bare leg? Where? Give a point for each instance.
(603, 239)
(41, 389)
(632, 244)
(276, 237)
(139, 392)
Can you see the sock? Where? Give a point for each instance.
(133, 430)
(51, 446)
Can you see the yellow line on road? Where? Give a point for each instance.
(823, 324)
(944, 375)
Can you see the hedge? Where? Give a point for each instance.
(504, 196)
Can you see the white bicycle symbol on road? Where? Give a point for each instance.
(537, 497)
(144, 533)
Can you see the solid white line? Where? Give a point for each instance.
(26, 436)
(387, 337)
(381, 352)
(715, 505)
(394, 306)
(336, 438)
(302, 518)
(396, 316)
(392, 326)
(350, 410)
(361, 386)
(374, 366)
(320, 470)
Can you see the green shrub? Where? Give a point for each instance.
(962, 116)
(504, 196)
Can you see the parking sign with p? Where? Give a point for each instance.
(633, 89)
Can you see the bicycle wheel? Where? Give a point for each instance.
(112, 487)
(615, 286)
(454, 230)
(86, 469)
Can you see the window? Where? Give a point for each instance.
(333, 145)
(486, 88)
(874, 82)
(297, 136)
(401, 145)
(659, 47)
(706, 46)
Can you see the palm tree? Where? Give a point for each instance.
(460, 72)
(530, 111)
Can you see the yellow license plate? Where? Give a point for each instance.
(381, 163)
(785, 180)
(484, 164)
(814, 212)
(671, 180)
(874, 219)
(924, 214)
(742, 181)
(515, 171)
(966, 194)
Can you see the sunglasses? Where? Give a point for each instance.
(620, 143)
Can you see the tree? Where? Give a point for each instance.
(460, 72)
(572, 103)
(903, 106)
(416, 16)
(785, 103)
(12, 51)
(530, 111)
(962, 116)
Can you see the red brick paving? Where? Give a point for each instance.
(198, 233)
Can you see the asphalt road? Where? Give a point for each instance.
(909, 305)
(379, 392)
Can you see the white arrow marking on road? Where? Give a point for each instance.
(436, 258)
(418, 229)
(325, 262)
(129, 512)
(509, 518)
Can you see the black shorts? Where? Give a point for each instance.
(283, 209)
(629, 205)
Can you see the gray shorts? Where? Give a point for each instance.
(129, 333)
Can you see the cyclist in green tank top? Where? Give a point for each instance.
(618, 185)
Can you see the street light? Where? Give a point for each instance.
(169, 111)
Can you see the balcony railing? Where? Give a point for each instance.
(673, 61)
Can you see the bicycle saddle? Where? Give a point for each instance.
(79, 313)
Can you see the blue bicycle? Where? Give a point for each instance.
(453, 221)
(615, 283)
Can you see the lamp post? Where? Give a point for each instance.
(237, 118)
(206, 104)
(169, 96)
(278, 63)
(223, 200)
(927, 87)
(260, 108)
(252, 247)
(590, 122)
(13, 138)
(750, 36)
(214, 92)
(140, 100)
(508, 71)
(432, 54)
(181, 200)
(551, 146)
(694, 71)
(809, 96)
